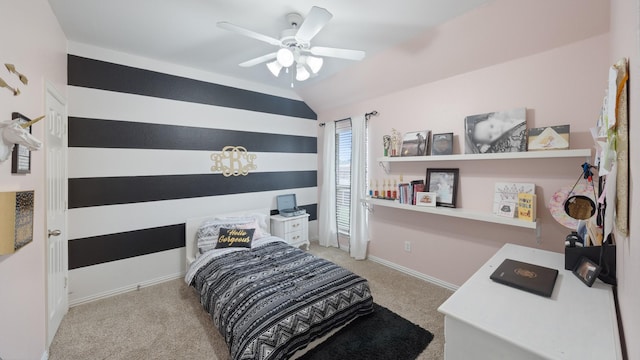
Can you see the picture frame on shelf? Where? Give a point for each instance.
(444, 182)
(415, 143)
(496, 132)
(426, 198)
(549, 138)
(442, 144)
(21, 156)
(386, 145)
(506, 209)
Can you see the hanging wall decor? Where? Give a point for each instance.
(233, 160)
(622, 146)
(16, 220)
(13, 89)
(12, 132)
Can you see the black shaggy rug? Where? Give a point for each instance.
(381, 335)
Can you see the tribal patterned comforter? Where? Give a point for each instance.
(271, 300)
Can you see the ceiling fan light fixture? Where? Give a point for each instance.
(274, 67)
(314, 63)
(294, 50)
(285, 57)
(301, 73)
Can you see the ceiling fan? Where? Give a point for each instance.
(295, 45)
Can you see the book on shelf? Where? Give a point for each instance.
(407, 191)
(416, 187)
(527, 207)
(403, 192)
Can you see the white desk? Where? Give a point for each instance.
(488, 320)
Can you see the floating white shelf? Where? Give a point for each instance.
(475, 215)
(546, 154)
(458, 213)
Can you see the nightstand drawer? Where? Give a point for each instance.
(295, 236)
(294, 225)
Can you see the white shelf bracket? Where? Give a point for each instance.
(386, 169)
(367, 205)
(538, 232)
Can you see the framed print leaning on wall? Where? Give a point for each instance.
(443, 182)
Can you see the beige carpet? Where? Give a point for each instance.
(166, 321)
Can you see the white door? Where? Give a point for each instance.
(56, 207)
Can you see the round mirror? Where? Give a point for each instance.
(580, 207)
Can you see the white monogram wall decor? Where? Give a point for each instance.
(233, 160)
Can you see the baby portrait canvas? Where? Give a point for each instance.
(496, 132)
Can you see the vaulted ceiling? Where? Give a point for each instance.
(184, 31)
(406, 41)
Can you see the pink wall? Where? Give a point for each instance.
(32, 40)
(560, 86)
(624, 43)
(498, 32)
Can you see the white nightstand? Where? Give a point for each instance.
(294, 230)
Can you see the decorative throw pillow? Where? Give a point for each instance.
(207, 234)
(260, 222)
(234, 238)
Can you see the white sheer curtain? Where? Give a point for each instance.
(328, 231)
(359, 233)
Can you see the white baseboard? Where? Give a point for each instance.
(414, 273)
(45, 356)
(125, 289)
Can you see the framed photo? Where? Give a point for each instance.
(442, 144)
(415, 143)
(426, 198)
(443, 182)
(506, 209)
(21, 156)
(586, 270)
(549, 138)
(496, 132)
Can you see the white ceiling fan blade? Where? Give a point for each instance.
(338, 53)
(314, 22)
(249, 33)
(258, 60)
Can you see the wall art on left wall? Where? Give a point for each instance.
(16, 220)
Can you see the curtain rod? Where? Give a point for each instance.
(367, 116)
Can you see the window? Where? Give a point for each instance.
(343, 177)
(343, 180)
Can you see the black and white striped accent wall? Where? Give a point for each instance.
(140, 145)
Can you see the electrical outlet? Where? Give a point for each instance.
(407, 246)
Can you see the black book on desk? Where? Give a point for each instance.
(535, 279)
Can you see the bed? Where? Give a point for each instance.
(268, 300)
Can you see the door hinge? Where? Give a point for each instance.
(66, 280)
